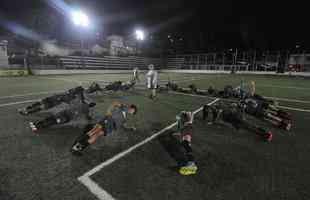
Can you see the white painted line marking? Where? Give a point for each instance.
(17, 103)
(195, 95)
(124, 153)
(275, 98)
(29, 94)
(288, 100)
(38, 93)
(295, 109)
(283, 87)
(63, 79)
(95, 188)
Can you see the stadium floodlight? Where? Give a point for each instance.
(140, 35)
(79, 18)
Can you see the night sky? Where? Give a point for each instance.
(217, 24)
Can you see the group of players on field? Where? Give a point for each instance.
(235, 105)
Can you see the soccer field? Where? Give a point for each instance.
(232, 164)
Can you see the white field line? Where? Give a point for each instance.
(187, 79)
(101, 193)
(63, 79)
(284, 107)
(275, 98)
(176, 81)
(29, 94)
(288, 100)
(283, 87)
(39, 93)
(95, 189)
(295, 109)
(17, 103)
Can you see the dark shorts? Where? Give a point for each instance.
(108, 125)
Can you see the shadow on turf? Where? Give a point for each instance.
(173, 147)
(5, 185)
(60, 138)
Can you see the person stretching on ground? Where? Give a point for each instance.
(115, 118)
(233, 115)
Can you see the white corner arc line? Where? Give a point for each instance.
(95, 188)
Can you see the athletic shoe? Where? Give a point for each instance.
(77, 147)
(33, 127)
(188, 169)
(268, 136)
(286, 125)
(22, 112)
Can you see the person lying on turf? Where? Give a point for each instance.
(54, 100)
(233, 115)
(195, 90)
(128, 85)
(72, 112)
(185, 132)
(93, 88)
(120, 86)
(265, 112)
(174, 87)
(115, 118)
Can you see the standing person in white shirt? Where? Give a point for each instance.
(152, 81)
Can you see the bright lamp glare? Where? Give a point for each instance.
(140, 35)
(80, 19)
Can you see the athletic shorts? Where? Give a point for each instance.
(108, 125)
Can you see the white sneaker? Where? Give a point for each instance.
(33, 127)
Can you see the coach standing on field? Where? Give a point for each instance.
(152, 81)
